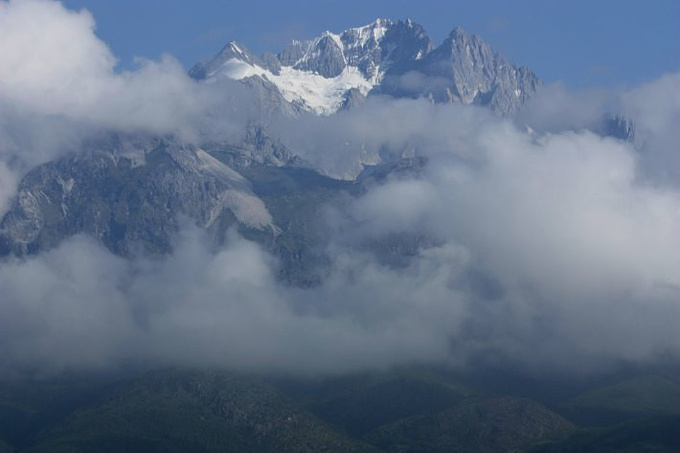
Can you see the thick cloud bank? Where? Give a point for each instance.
(53, 64)
(79, 306)
(550, 250)
(59, 86)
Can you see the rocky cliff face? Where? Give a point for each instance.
(130, 193)
(373, 49)
(465, 69)
(478, 75)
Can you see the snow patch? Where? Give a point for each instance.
(313, 92)
(236, 48)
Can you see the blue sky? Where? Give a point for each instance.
(584, 43)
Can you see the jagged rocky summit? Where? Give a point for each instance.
(335, 71)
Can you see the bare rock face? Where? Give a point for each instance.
(465, 69)
(129, 194)
(480, 75)
(323, 56)
(372, 49)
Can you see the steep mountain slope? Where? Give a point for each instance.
(176, 411)
(470, 72)
(335, 71)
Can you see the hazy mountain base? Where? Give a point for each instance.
(407, 410)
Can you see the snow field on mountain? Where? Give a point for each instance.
(321, 95)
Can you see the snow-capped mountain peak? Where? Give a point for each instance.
(320, 74)
(335, 70)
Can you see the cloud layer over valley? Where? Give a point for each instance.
(549, 247)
